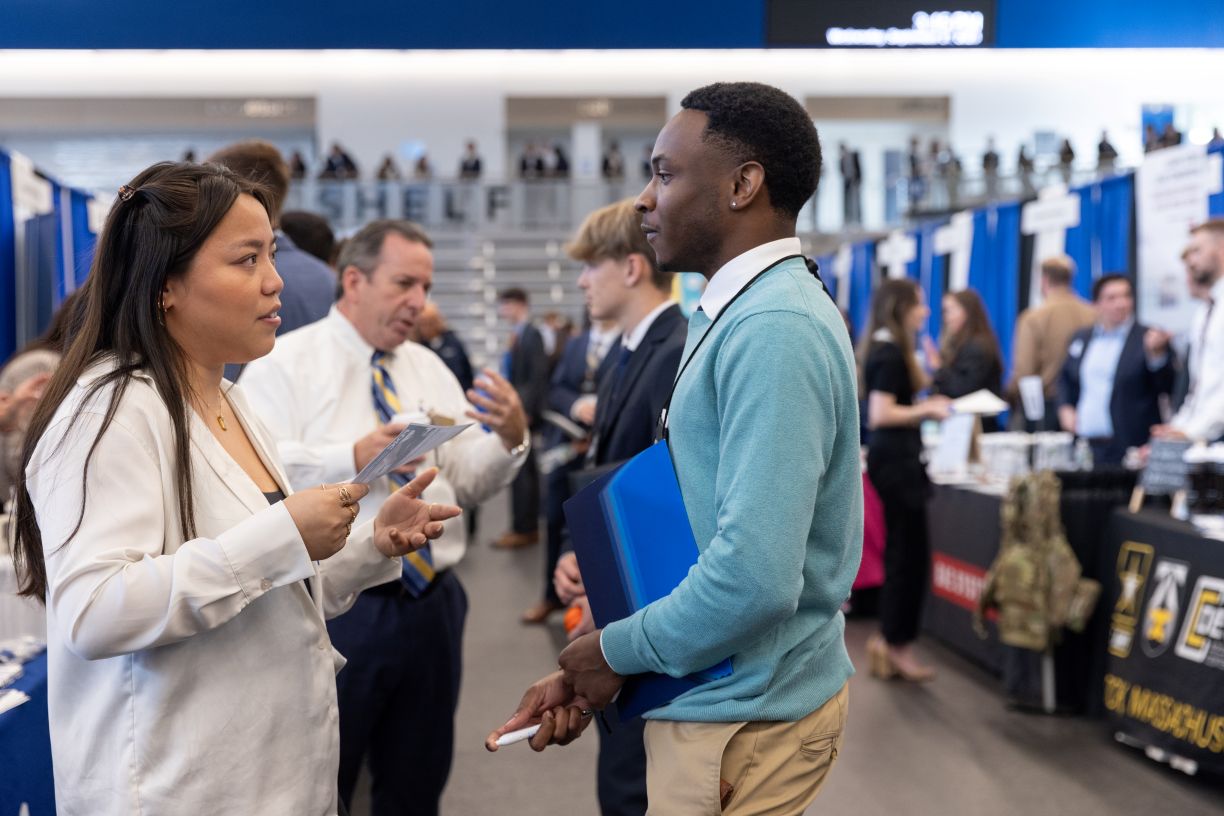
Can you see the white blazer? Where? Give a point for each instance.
(185, 677)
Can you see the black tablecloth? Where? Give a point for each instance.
(964, 528)
(1164, 600)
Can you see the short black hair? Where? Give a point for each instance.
(515, 294)
(756, 122)
(311, 233)
(1100, 283)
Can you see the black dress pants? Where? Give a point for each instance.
(907, 550)
(398, 693)
(525, 497)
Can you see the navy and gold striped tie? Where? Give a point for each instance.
(418, 570)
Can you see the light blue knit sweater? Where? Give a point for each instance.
(764, 436)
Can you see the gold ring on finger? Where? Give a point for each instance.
(346, 498)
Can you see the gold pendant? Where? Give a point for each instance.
(221, 422)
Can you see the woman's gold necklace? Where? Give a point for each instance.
(220, 418)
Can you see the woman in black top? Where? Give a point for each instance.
(968, 357)
(890, 376)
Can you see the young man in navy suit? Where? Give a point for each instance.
(1115, 373)
(623, 283)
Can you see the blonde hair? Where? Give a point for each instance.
(614, 233)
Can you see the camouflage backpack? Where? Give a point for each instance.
(1035, 582)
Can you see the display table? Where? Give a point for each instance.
(25, 747)
(964, 531)
(1164, 602)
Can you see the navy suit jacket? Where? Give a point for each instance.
(450, 348)
(628, 410)
(569, 382)
(1134, 405)
(529, 372)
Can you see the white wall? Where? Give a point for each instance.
(373, 101)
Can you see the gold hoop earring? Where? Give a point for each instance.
(161, 310)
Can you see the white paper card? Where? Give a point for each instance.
(1032, 395)
(11, 698)
(979, 403)
(413, 442)
(955, 442)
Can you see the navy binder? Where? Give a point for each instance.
(634, 545)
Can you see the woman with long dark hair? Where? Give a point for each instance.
(968, 357)
(890, 379)
(189, 667)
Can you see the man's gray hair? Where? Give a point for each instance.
(364, 247)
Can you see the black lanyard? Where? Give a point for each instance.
(661, 429)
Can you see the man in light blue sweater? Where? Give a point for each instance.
(764, 437)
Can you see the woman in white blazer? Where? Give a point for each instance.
(189, 667)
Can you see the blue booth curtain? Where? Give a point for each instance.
(825, 262)
(83, 239)
(1215, 204)
(1101, 244)
(8, 263)
(994, 269)
(862, 283)
(931, 276)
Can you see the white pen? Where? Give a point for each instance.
(517, 736)
(526, 733)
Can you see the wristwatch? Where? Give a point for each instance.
(521, 448)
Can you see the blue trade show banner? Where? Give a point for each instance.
(8, 262)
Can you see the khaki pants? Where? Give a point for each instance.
(775, 768)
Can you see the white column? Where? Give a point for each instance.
(586, 164)
(955, 240)
(843, 261)
(1048, 218)
(895, 252)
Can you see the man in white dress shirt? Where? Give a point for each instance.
(355, 369)
(1201, 416)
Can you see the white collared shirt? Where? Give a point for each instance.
(313, 394)
(737, 272)
(1202, 415)
(634, 339)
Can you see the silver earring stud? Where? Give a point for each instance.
(733, 205)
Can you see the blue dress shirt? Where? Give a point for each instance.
(1097, 372)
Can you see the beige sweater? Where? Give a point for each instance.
(1042, 336)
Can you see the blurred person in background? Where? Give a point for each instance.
(613, 168)
(310, 233)
(388, 170)
(1115, 375)
(968, 357)
(1066, 158)
(891, 379)
(432, 332)
(297, 166)
(572, 396)
(1107, 154)
(1201, 416)
(1043, 334)
(470, 164)
(22, 382)
(526, 365)
(339, 164)
(990, 168)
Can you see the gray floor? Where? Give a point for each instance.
(947, 748)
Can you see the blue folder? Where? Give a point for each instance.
(634, 545)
